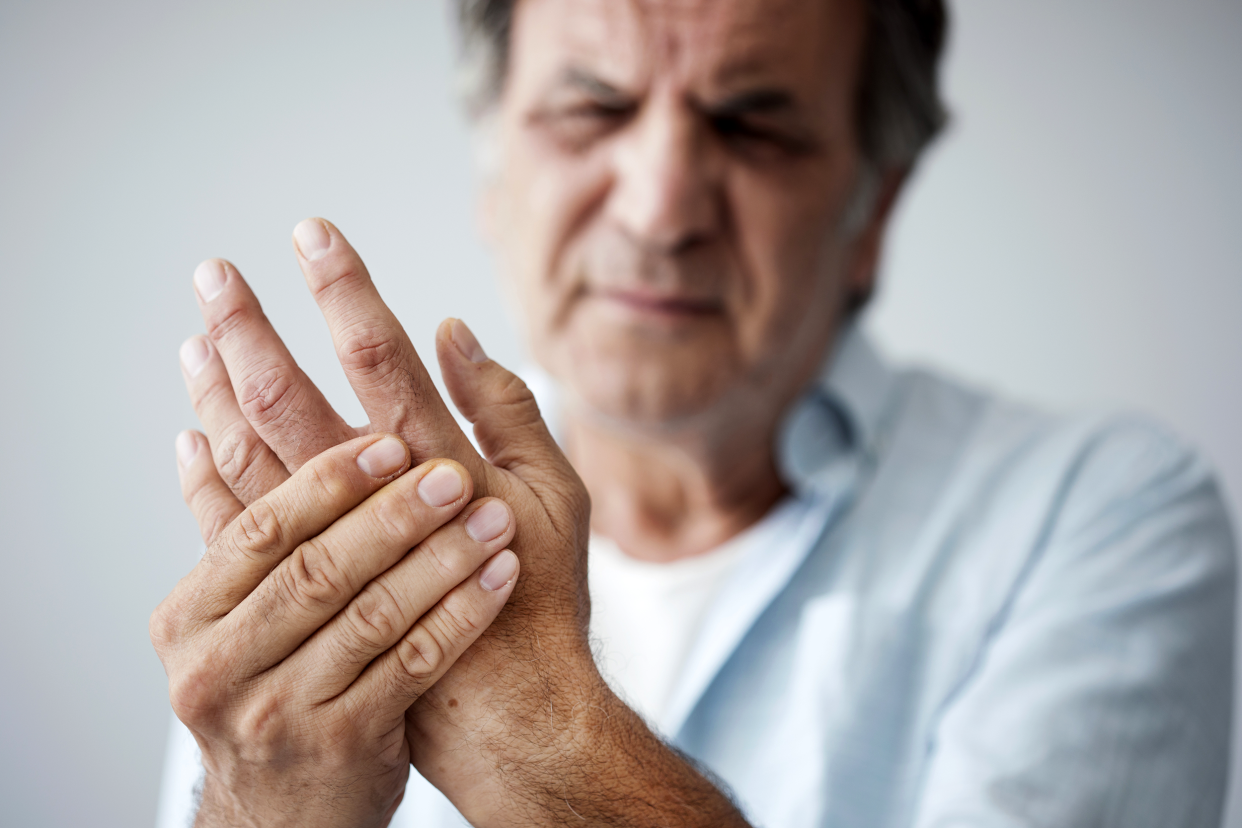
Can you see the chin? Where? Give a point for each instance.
(642, 369)
(648, 393)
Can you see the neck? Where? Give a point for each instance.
(665, 497)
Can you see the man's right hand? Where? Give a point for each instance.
(296, 646)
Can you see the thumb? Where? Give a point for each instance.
(507, 424)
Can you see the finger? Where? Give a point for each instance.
(512, 435)
(390, 604)
(381, 364)
(265, 533)
(508, 426)
(325, 573)
(244, 461)
(211, 502)
(285, 408)
(403, 673)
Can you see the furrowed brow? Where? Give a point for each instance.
(753, 102)
(578, 78)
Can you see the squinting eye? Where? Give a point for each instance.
(747, 137)
(737, 129)
(599, 111)
(578, 125)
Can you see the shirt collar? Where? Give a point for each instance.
(859, 381)
(837, 421)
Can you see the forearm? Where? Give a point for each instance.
(575, 754)
(617, 772)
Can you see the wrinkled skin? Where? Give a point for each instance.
(669, 211)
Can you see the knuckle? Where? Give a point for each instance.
(394, 515)
(311, 579)
(346, 276)
(456, 622)
(195, 694)
(163, 627)
(258, 530)
(267, 395)
(210, 514)
(211, 526)
(375, 615)
(450, 563)
(210, 395)
(238, 457)
(263, 725)
(227, 323)
(517, 396)
(368, 350)
(421, 655)
(514, 404)
(321, 478)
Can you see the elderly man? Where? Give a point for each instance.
(821, 591)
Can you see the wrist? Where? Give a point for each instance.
(236, 805)
(493, 729)
(545, 760)
(545, 741)
(609, 768)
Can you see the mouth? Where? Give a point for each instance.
(660, 304)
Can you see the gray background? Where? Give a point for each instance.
(1073, 240)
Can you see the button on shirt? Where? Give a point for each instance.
(973, 614)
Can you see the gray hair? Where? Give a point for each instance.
(899, 110)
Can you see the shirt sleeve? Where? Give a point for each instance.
(183, 774)
(1103, 694)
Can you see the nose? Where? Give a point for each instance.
(665, 194)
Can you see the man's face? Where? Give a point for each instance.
(673, 178)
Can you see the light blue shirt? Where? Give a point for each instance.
(986, 616)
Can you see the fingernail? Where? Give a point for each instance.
(466, 343)
(382, 458)
(488, 522)
(194, 353)
(209, 278)
(187, 448)
(499, 571)
(312, 239)
(441, 486)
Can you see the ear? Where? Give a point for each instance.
(860, 280)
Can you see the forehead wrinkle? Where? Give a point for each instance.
(690, 40)
(719, 45)
(687, 35)
(704, 49)
(608, 42)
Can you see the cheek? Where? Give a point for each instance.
(793, 264)
(548, 201)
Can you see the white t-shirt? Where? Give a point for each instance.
(645, 617)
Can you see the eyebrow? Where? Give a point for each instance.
(759, 101)
(755, 101)
(589, 83)
(765, 100)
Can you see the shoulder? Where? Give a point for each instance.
(1012, 486)
(1100, 457)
